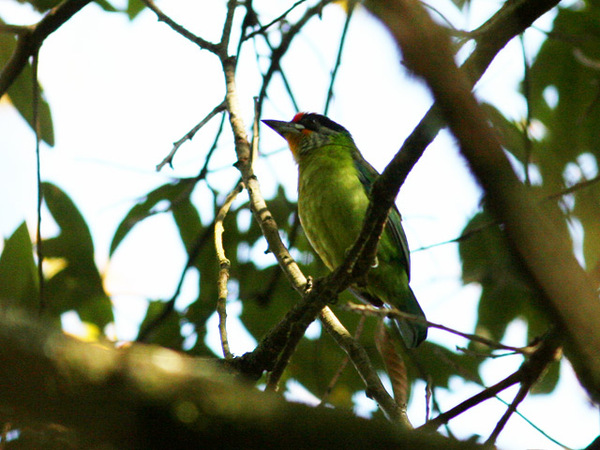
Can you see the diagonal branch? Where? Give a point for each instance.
(189, 136)
(162, 17)
(569, 297)
(30, 39)
(362, 363)
(527, 374)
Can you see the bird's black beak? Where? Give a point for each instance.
(284, 128)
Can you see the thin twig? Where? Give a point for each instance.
(362, 363)
(486, 394)
(527, 143)
(224, 266)
(531, 369)
(203, 238)
(535, 427)
(204, 171)
(226, 34)
(40, 194)
(467, 234)
(351, 5)
(343, 363)
(286, 40)
(396, 313)
(504, 419)
(189, 135)
(162, 17)
(286, 84)
(264, 28)
(296, 333)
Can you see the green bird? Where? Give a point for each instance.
(333, 195)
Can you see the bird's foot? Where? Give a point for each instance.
(309, 285)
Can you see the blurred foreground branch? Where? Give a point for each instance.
(117, 398)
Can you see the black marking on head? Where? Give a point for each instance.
(316, 122)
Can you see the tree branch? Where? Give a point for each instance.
(48, 377)
(189, 135)
(224, 266)
(569, 297)
(362, 363)
(30, 39)
(162, 17)
(528, 373)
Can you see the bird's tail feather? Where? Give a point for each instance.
(412, 332)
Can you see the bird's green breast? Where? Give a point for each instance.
(331, 201)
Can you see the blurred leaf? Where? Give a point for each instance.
(507, 291)
(440, 364)
(548, 380)
(75, 239)
(188, 222)
(511, 137)
(461, 3)
(20, 92)
(173, 193)
(77, 285)
(134, 7)
(18, 272)
(565, 96)
(168, 334)
(106, 6)
(587, 210)
(42, 5)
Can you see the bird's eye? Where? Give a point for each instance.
(312, 124)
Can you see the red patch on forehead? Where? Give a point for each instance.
(298, 117)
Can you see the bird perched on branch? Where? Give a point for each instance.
(333, 197)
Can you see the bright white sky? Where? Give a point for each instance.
(122, 92)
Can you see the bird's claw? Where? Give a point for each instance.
(309, 285)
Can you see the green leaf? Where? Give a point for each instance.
(587, 210)
(177, 191)
(19, 284)
(568, 69)
(134, 7)
(507, 291)
(106, 6)
(437, 364)
(75, 239)
(548, 380)
(42, 5)
(168, 334)
(511, 137)
(20, 93)
(188, 222)
(78, 284)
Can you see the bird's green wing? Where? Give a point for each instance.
(367, 175)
